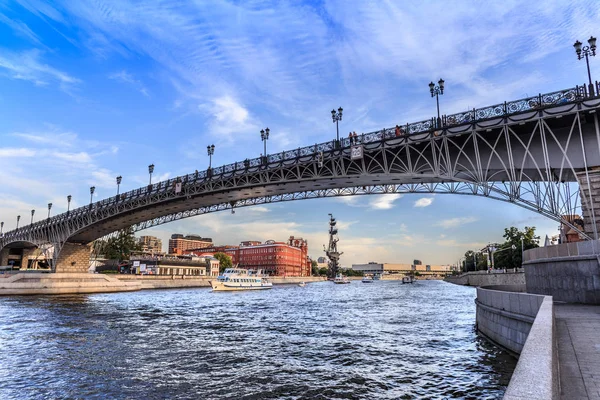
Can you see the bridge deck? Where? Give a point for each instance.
(577, 328)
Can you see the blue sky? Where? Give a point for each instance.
(94, 89)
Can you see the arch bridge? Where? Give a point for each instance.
(541, 153)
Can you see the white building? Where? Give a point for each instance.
(388, 268)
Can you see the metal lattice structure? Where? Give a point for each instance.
(528, 152)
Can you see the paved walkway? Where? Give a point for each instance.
(578, 331)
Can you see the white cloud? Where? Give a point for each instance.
(103, 177)
(52, 137)
(228, 118)
(351, 201)
(424, 202)
(21, 29)
(27, 66)
(384, 201)
(455, 222)
(462, 245)
(126, 77)
(82, 157)
(8, 152)
(259, 209)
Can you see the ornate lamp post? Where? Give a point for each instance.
(264, 136)
(337, 117)
(32, 212)
(210, 151)
(437, 91)
(150, 171)
(18, 219)
(92, 190)
(69, 197)
(49, 208)
(119, 178)
(587, 51)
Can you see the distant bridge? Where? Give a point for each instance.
(527, 152)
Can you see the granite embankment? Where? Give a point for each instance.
(483, 278)
(183, 281)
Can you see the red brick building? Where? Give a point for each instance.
(179, 244)
(275, 258)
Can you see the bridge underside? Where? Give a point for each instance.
(534, 159)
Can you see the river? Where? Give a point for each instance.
(383, 340)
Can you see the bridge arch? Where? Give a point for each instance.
(530, 152)
(454, 187)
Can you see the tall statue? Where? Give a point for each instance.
(332, 252)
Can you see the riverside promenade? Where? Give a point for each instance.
(578, 338)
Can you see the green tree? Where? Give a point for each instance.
(224, 261)
(120, 246)
(351, 272)
(469, 263)
(509, 258)
(482, 261)
(323, 271)
(475, 261)
(314, 267)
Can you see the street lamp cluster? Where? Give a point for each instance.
(210, 150)
(437, 91)
(337, 117)
(587, 51)
(264, 136)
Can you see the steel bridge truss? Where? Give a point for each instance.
(525, 152)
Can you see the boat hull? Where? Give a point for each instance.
(232, 287)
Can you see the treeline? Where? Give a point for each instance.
(507, 255)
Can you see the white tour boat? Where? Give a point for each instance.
(340, 279)
(241, 279)
(302, 284)
(367, 279)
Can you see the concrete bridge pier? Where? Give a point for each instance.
(4, 256)
(74, 258)
(71, 275)
(22, 257)
(590, 200)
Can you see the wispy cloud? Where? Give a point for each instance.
(27, 66)
(229, 118)
(16, 152)
(21, 29)
(384, 201)
(51, 137)
(456, 222)
(423, 202)
(126, 77)
(462, 245)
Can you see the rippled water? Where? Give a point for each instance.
(379, 341)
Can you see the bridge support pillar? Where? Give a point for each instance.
(590, 200)
(4, 256)
(74, 258)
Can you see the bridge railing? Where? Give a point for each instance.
(408, 131)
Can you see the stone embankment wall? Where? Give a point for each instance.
(568, 272)
(183, 281)
(505, 317)
(66, 283)
(524, 324)
(482, 278)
